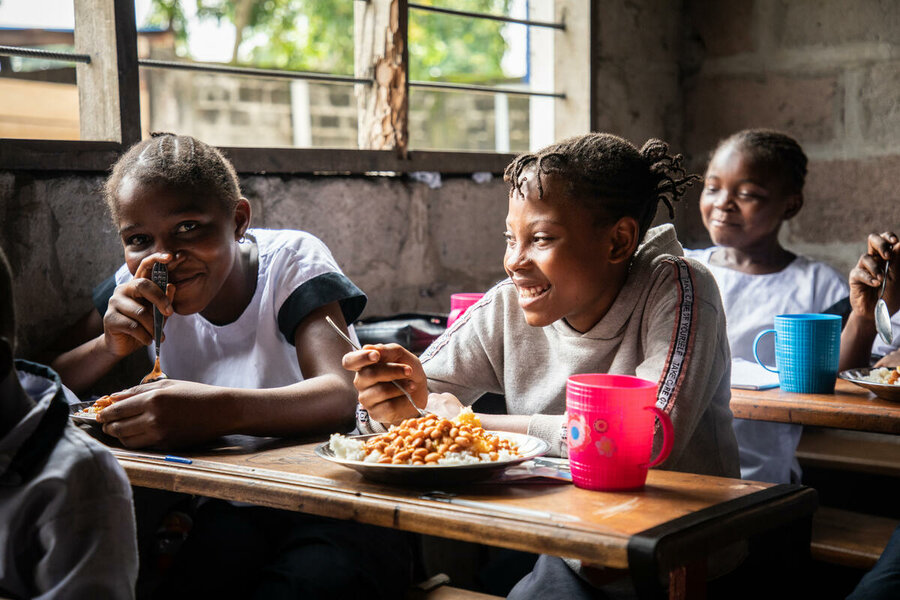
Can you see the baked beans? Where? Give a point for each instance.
(426, 440)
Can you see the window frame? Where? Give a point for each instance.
(99, 156)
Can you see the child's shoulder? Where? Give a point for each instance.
(817, 274)
(699, 254)
(291, 246)
(86, 467)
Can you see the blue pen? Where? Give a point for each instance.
(167, 457)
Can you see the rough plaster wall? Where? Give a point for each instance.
(407, 246)
(637, 87)
(824, 72)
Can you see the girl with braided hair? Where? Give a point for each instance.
(753, 184)
(592, 288)
(247, 350)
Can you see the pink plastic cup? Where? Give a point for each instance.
(609, 427)
(459, 303)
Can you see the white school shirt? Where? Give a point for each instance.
(879, 348)
(751, 303)
(296, 275)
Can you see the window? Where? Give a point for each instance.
(408, 85)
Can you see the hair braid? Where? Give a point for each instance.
(181, 162)
(609, 175)
(773, 149)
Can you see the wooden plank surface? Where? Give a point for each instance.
(592, 526)
(849, 407)
(848, 538)
(858, 451)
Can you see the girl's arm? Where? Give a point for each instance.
(100, 343)
(172, 413)
(865, 287)
(81, 366)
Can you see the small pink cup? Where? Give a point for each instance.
(459, 303)
(609, 427)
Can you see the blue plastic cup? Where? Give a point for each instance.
(807, 349)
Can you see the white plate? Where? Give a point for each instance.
(888, 391)
(80, 417)
(528, 446)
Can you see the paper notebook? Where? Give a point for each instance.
(746, 375)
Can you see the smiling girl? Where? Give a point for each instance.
(591, 289)
(247, 350)
(753, 184)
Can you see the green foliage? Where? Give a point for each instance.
(168, 14)
(448, 48)
(317, 35)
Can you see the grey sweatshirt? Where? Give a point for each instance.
(666, 325)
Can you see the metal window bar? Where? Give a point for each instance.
(477, 15)
(327, 78)
(251, 71)
(44, 54)
(485, 89)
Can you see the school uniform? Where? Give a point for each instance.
(66, 518)
(236, 550)
(751, 304)
(296, 274)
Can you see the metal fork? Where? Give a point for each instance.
(356, 347)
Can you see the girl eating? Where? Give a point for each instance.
(591, 288)
(246, 349)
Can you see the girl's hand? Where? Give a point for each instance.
(867, 275)
(444, 405)
(890, 360)
(376, 366)
(166, 414)
(128, 322)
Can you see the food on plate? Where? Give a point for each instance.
(883, 375)
(428, 440)
(97, 406)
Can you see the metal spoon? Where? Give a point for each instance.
(882, 314)
(356, 347)
(159, 276)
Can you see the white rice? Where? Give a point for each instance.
(347, 449)
(879, 375)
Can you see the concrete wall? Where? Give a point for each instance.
(826, 72)
(407, 246)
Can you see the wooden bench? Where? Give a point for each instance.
(859, 451)
(436, 588)
(850, 539)
(844, 537)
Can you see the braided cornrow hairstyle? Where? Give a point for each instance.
(176, 161)
(773, 149)
(609, 175)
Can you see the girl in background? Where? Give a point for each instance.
(754, 182)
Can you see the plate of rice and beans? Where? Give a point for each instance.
(432, 450)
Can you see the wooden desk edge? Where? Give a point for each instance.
(469, 525)
(681, 542)
(594, 547)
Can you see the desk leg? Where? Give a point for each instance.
(688, 581)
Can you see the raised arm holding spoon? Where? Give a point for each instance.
(874, 286)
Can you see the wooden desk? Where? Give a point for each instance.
(850, 407)
(678, 519)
